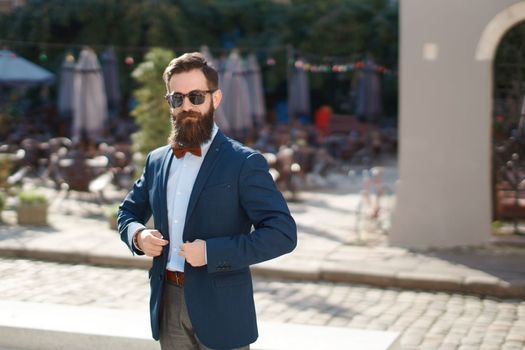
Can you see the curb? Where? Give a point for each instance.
(76, 258)
(475, 285)
(41, 326)
(424, 282)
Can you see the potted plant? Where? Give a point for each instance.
(32, 208)
(111, 215)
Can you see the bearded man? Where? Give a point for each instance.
(216, 211)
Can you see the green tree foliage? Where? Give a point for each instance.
(99, 23)
(151, 113)
(328, 27)
(351, 27)
(321, 28)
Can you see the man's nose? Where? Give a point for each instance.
(186, 104)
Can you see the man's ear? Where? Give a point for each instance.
(216, 98)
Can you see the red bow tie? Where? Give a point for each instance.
(180, 152)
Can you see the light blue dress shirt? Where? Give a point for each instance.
(181, 178)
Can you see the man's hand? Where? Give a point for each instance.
(194, 252)
(151, 242)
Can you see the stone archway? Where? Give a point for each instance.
(496, 29)
(501, 45)
(492, 36)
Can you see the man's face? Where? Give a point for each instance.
(192, 124)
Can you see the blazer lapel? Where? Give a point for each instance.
(206, 169)
(165, 168)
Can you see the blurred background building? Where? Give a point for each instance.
(461, 91)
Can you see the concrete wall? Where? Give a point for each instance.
(447, 48)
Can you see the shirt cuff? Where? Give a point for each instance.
(205, 254)
(132, 228)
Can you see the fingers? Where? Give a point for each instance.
(193, 252)
(153, 252)
(154, 237)
(181, 250)
(185, 250)
(185, 254)
(153, 242)
(155, 233)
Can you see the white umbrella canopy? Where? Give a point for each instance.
(17, 71)
(298, 94)
(90, 102)
(110, 70)
(236, 99)
(256, 91)
(220, 118)
(66, 86)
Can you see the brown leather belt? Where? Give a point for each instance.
(176, 277)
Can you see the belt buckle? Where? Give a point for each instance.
(177, 278)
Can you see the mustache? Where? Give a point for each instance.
(186, 114)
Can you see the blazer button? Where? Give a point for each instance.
(161, 277)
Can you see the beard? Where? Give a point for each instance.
(191, 129)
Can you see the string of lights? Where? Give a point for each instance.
(309, 62)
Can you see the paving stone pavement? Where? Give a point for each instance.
(329, 250)
(329, 246)
(427, 320)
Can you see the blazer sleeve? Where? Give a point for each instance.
(135, 208)
(275, 231)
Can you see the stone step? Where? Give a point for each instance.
(35, 326)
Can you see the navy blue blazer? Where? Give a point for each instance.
(233, 192)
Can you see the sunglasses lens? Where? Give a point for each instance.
(196, 98)
(176, 100)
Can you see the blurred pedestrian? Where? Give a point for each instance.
(208, 191)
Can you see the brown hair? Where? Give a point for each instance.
(190, 61)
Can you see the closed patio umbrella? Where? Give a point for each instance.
(110, 70)
(368, 105)
(220, 118)
(255, 89)
(298, 94)
(90, 103)
(236, 100)
(66, 86)
(205, 51)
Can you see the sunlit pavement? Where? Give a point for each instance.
(297, 289)
(426, 320)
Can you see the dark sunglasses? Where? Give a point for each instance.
(196, 97)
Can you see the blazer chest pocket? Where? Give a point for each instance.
(231, 279)
(219, 190)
